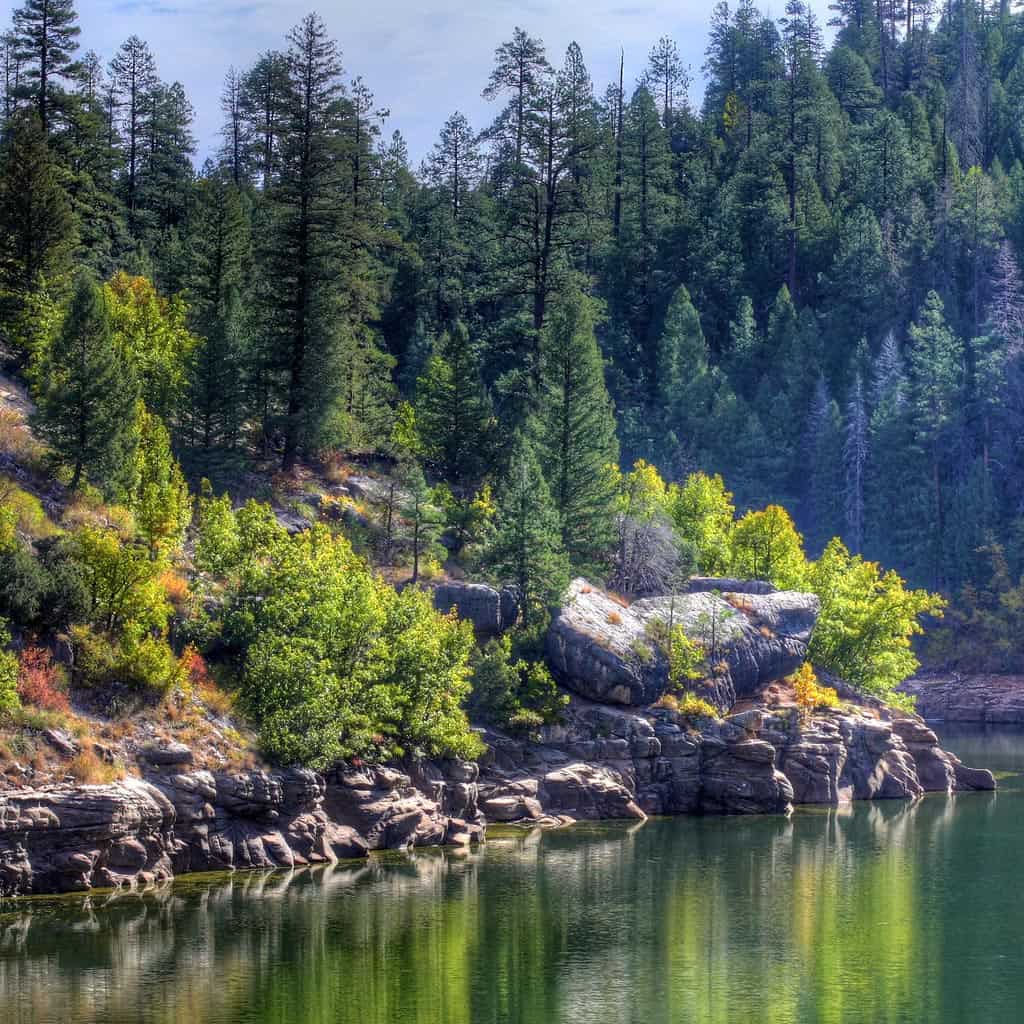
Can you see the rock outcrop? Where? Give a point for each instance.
(601, 648)
(141, 831)
(983, 700)
(608, 762)
(490, 611)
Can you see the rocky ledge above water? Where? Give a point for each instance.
(614, 755)
(173, 821)
(607, 762)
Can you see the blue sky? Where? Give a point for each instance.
(422, 60)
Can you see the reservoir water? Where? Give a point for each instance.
(873, 914)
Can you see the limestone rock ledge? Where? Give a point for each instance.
(140, 831)
(608, 762)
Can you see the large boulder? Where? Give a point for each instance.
(490, 611)
(600, 646)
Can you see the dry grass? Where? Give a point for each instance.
(16, 439)
(622, 602)
(88, 768)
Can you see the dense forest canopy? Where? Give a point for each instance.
(811, 285)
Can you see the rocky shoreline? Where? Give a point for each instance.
(615, 755)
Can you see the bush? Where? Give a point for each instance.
(688, 705)
(40, 682)
(510, 692)
(868, 617)
(335, 663)
(809, 694)
(138, 660)
(9, 702)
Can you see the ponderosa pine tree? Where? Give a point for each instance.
(453, 413)
(133, 75)
(526, 551)
(46, 38)
(217, 397)
(37, 228)
(86, 402)
(576, 431)
(262, 102)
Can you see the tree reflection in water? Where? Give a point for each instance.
(872, 913)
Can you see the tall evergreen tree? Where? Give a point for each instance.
(46, 38)
(526, 551)
(577, 431)
(452, 408)
(37, 227)
(86, 404)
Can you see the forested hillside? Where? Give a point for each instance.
(810, 286)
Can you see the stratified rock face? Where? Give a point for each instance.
(986, 700)
(602, 650)
(607, 762)
(138, 832)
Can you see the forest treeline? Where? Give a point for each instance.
(810, 285)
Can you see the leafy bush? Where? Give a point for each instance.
(766, 546)
(9, 702)
(40, 682)
(334, 662)
(140, 661)
(863, 634)
(511, 692)
(809, 694)
(687, 705)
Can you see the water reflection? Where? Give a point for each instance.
(883, 913)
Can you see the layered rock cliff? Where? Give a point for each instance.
(140, 831)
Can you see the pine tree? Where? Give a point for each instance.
(86, 405)
(46, 38)
(935, 363)
(577, 431)
(220, 255)
(667, 77)
(856, 451)
(133, 74)
(263, 99)
(37, 227)
(526, 550)
(452, 410)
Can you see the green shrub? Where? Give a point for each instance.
(334, 662)
(140, 661)
(510, 692)
(9, 702)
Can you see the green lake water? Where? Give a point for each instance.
(887, 912)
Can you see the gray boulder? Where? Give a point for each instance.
(489, 610)
(601, 648)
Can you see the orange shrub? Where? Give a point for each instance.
(175, 586)
(614, 619)
(40, 682)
